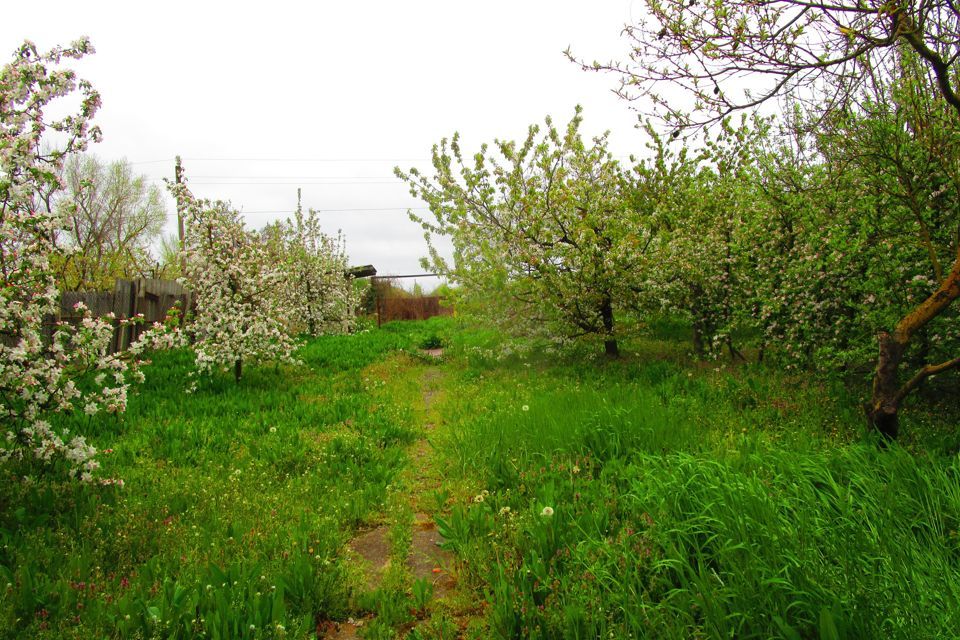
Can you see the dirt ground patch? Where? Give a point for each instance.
(374, 547)
(427, 561)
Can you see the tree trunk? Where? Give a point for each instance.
(238, 369)
(884, 405)
(702, 327)
(610, 346)
(734, 352)
(311, 323)
(698, 347)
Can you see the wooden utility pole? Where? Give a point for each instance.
(178, 180)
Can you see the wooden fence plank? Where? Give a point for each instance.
(151, 297)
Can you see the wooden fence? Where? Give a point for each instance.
(153, 298)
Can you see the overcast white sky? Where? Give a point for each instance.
(264, 97)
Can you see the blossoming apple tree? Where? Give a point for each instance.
(315, 292)
(43, 361)
(840, 66)
(702, 207)
(239, 315)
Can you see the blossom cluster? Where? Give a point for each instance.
(41, 359)
(314, 290)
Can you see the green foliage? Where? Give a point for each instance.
(432, 341)
(543, 240)
(422, 593)
(704, 208)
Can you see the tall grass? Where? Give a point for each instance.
(653, 497)
(660, 500)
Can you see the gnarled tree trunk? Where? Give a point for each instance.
(884, 405)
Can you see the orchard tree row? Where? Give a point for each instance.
(823, 235)
(254, 291)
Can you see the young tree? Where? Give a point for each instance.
(39, 372)
(316, 293)
(111, 217)
(239, 315)
(543, 239)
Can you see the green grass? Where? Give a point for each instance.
(653, 497)
(694, 501)
(238, 500)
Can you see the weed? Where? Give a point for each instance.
(422, 594)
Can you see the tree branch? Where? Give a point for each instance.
(913, 37)
(923, 374)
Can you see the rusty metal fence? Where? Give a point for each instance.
(411, 308)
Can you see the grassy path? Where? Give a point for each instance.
(405, 578)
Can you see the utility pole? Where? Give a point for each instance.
(178, 180)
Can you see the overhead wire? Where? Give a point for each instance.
(324, 210)
(285, 180)
(172, 160)
(291, 184)
(291, 177)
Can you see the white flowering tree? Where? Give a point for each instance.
(239, 314)
(47, 366)
(702, 206)
(316, 293)
(544, 239)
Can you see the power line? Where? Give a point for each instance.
(285, 181)
(306, 159)
(170, 160)
(289, 184)
(293, 177)
(369, 209)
